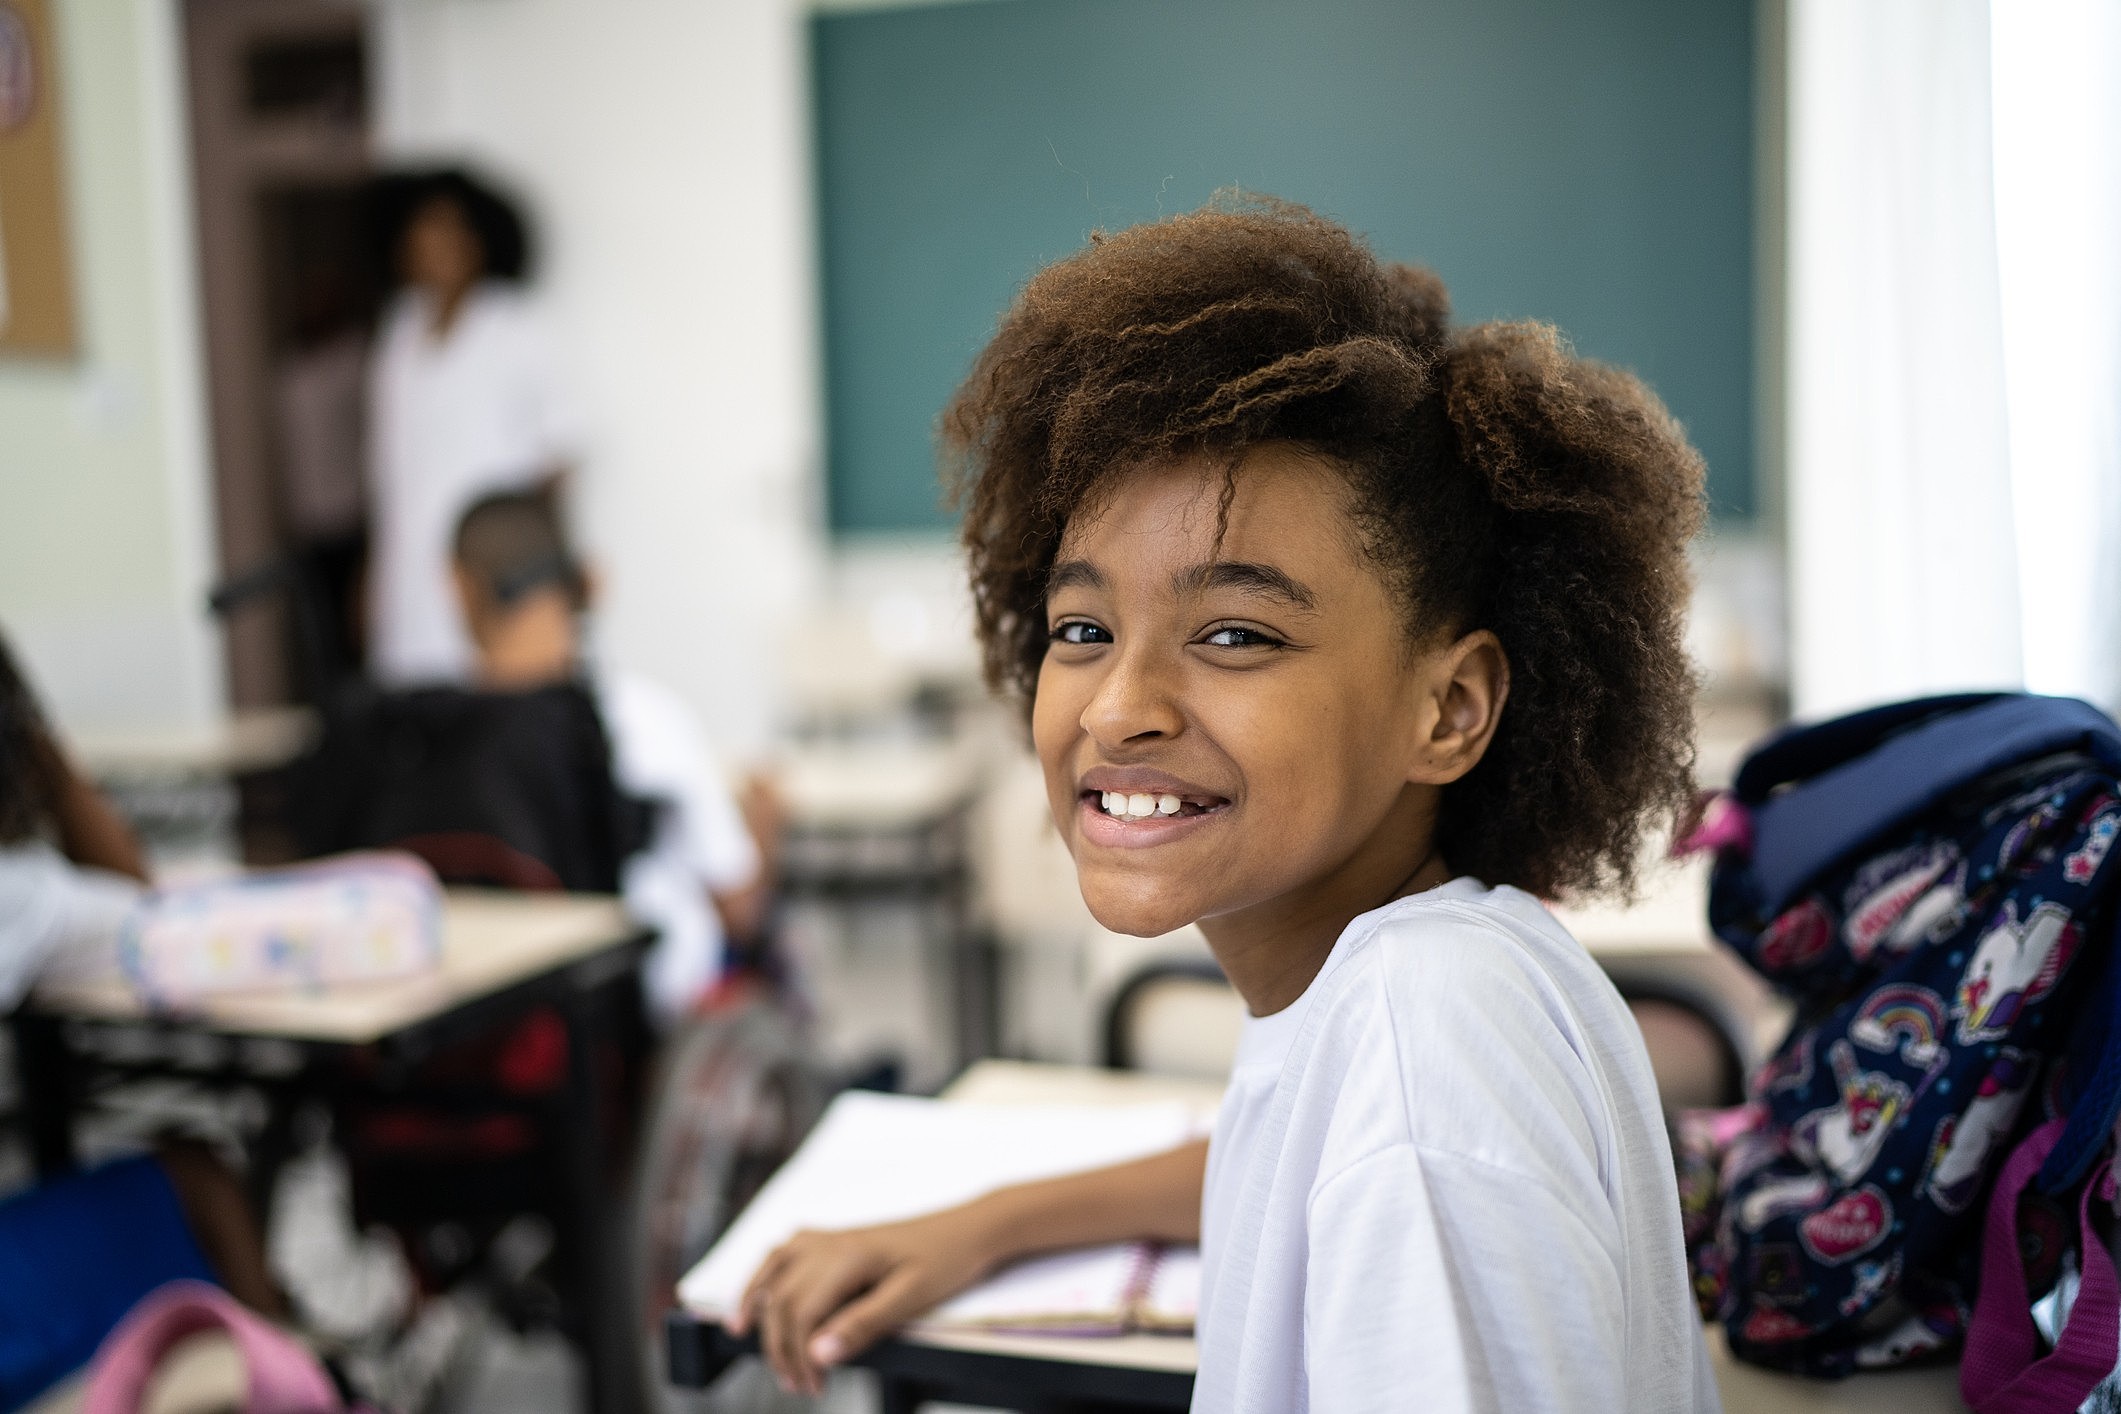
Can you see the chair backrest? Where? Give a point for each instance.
(509, 789)
(1175, 1016)
(1694, 1052)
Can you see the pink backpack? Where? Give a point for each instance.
(284, 1377)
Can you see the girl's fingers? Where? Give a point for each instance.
(892, 1302)
(746, 1313)
(806, 1293)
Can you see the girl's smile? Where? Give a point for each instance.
(1133, 807)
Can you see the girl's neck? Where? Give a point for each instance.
(1272, 951)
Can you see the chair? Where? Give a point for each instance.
(506, 789)
(734, 1093)
(1695, 1039)
(1174, 1016)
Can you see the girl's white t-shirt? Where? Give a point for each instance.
(1440, 1181)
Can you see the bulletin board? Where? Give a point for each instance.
(1586, 164)
(36, 285)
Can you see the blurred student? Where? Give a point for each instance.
(701, 880)
(76, 1253)
(466, 398)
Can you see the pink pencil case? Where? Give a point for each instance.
(352, 918)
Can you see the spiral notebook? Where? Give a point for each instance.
(879, 1158)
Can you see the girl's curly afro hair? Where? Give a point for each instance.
(1498, 482)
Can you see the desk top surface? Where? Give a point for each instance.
(256, 739)
(490, 941)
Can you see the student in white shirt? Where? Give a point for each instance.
(465, 398)
(1349, 636)
(701, 877)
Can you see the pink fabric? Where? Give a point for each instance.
(2003, 1371)
(284, 1377)
(1724, 827)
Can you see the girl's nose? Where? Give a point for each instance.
(1134, 703)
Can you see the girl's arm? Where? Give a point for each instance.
(90, 831)
(822, 1296)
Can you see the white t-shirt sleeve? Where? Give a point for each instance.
(659, 754)
(1479, 1290)
(55, 916)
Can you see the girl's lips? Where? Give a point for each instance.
(1114, 832)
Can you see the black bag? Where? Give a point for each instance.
(513, 789)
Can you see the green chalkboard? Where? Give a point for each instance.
(1587, 162)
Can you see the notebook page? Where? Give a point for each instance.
(1171, 1299)
(878, 1158)
(1087, 1292)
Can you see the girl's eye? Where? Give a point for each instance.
(1078, 631)
(1235, 636)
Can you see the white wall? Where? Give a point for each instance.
(105, 540)
(663, 145)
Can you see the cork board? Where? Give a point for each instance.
(36, 286)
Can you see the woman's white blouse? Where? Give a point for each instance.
(481, 409)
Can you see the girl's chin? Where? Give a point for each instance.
(1127, 906)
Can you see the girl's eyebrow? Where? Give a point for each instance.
(1074, 574)
(1244, 575)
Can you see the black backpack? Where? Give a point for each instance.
(511, 789)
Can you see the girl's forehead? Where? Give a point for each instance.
(1276, 499)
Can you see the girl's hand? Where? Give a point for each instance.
(821, 1297)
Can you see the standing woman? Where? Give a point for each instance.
(465, 400)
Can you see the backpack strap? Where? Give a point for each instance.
(1856, 777)
(2094, 1074)
(2003, 1371)
(284, 1378)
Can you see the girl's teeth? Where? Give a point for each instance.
(1121, 805)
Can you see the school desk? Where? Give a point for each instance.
(876, 826)
(502, 955)
(257, 739)
(1146, 1372)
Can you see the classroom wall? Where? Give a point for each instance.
(105, 538)
(662, 144)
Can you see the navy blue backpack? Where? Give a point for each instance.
(1933, 884)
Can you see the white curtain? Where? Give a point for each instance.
(2057, 117)
(1903, 559)
(1954, 348)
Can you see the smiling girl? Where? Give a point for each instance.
(1350, 637)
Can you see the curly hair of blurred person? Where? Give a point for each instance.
(1498, 481)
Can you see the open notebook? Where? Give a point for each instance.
(878, 1158)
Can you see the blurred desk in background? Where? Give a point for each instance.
(876, 872)
(503, 955)
(185, 791)
(260, 739)
(492, 944)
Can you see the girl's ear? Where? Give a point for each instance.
(1464, 687)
